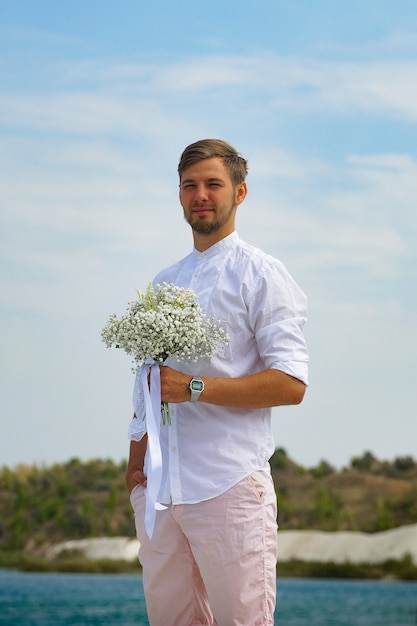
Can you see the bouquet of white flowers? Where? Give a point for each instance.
(166, 321)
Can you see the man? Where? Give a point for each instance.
(212, 556)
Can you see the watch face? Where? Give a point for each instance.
(197, 385)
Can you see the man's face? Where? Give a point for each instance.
(209, 199)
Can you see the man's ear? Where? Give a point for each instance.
(241, 191)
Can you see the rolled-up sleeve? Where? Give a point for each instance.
(279, 313)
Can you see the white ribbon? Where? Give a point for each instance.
(152, 399)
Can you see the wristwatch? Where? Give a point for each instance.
(196, 388)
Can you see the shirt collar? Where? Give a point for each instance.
(218, 248)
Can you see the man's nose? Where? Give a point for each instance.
(201, 193)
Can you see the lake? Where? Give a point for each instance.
(30, 599)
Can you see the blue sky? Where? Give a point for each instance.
(98, 99)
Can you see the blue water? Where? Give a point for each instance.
(117, 600)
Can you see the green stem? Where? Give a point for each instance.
(166, 415)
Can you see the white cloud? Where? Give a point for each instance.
(388, 88)
(132, 99)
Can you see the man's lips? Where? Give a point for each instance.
(201, 210)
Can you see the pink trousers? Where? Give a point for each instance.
(212, 563)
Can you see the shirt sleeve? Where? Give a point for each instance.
(278, 313)
(137, 426)
(136, 430)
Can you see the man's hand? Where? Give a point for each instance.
(137, 477)
(134, 472)
(175, 386)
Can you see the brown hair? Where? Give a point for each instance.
(235, 164)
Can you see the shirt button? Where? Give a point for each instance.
(173, 449)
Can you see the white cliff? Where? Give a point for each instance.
(305, 545)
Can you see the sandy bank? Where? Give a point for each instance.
(348, 546)
(117, 548)
(306, 545)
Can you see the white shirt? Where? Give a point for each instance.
(207, 449)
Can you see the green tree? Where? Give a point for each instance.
(327, 509)
(384, 516)
(279, 459)
(322, 469)
(112, 499)
(363, 463)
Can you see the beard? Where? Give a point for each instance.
(208, 228)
